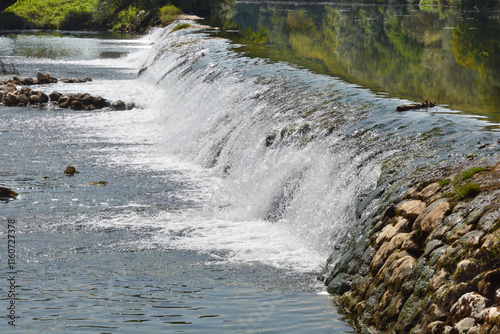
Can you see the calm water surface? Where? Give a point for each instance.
(448, 55)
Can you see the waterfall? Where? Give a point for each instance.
(294, 161)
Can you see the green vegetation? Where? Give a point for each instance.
(168, 12)
(56, 14)
(126, 18)
(181, 26)
(130, 15)
(467, 190)
(467, 174)
(443, 182)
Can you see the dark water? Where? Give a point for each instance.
(448, 55)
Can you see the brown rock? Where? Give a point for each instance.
(76, 105)
(42, 79)
(25, 91)
(410, 209)
(398, 225)
(433, 218)
(463, 326)
(100, 103)
(34, 99)
(10, 100)
(493, 316)
(64, 101)
(88, 100)
(70, 171)
(429, 191)
(489, 284)
(466, 270)
(42, 97)
(436, 327)
(401, 269)
(27, 81)
(7, 193)
(55, 96)
(471, 305)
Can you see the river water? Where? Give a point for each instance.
(228, 186)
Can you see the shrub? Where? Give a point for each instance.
(167, 13)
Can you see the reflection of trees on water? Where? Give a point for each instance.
(450, 56)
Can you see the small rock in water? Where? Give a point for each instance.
(425, 104)
(7, 193)
(98, 184)
(70, 171)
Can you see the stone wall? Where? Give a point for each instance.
(431, 262)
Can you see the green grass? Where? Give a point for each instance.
(467, 190)
(443, 182)
(52, 14)
(181, 26)
(467, 174)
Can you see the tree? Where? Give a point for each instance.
(4, 4)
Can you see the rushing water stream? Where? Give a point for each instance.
(229, 185)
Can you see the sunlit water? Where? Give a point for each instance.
(228, 186)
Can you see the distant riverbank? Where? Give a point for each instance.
(139, 15)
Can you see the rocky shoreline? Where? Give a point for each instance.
(430, 263)
(16, 93)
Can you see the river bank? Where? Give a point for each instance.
(431, 261)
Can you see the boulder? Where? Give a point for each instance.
(70, 171)
(64, 101)
(7, 193)
(42, 97)
(55, 96)
(42, 78)
(10, 100)
(410, 209)
(76, 105)
(119, 105)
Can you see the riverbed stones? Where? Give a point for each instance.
(11, 95)
(434, 264)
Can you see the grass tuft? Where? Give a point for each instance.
(444, 182)
(181, 26)
(467, 190)
(467, 174)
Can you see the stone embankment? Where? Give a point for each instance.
(16, 93)
(430, 263)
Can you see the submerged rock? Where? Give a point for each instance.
(98, 183)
